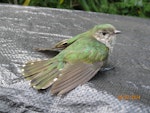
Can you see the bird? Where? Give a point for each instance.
(79, 59)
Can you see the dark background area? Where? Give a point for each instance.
(139, 8)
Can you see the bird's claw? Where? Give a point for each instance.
(104, 69)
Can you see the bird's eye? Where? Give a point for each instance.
(104, 33)
(64, 44)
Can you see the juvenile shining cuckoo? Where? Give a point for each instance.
(81, 57)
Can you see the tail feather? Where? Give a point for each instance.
(35, 67)
(45, 83)
(29, 65)
(41, 73)
(43, 77)
(30, 77)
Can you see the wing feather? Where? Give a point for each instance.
(71, 78)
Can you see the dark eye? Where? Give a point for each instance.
(104, 33)
(64, 44)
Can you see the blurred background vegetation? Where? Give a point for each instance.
(139, 8)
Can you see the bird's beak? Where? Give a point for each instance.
(117, 32)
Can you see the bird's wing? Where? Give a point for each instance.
(58, 47)
(66, 42)
(62, 44)
(74, 75)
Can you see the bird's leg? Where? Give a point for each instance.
(108, 68)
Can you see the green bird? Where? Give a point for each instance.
(81, 57)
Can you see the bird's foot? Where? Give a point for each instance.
(104, 69)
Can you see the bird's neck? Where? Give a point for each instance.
(108, 42)
(109, 45)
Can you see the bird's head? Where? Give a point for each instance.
(105, 33)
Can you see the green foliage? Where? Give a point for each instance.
(140, 8)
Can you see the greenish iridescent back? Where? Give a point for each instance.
(87, 50)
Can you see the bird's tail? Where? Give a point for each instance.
(42, 73)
